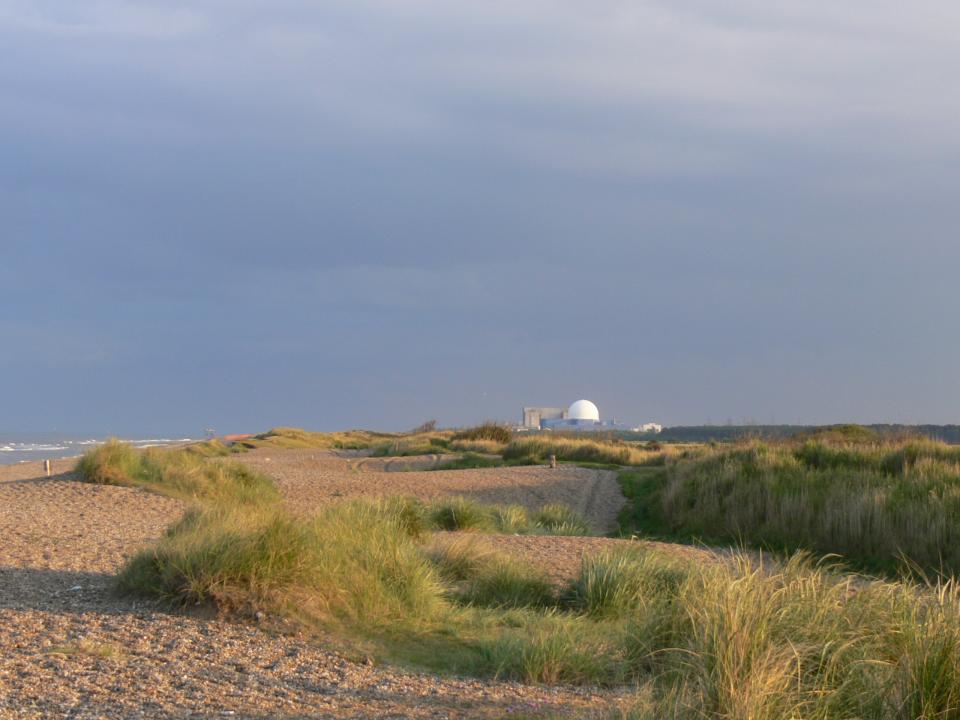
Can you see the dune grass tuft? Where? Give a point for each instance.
(558, 519)
(489, 431)
(354, 561)
(616, 584)
(500, 581)
(480, 446)
(460, 513)
(177, 473)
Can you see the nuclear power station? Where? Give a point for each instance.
(581, 416)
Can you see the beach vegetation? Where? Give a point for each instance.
(492, 431)
(880, 505)
(177, 473)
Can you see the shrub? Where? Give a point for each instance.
(352, 561)
(587, 450)
(488, 431)
(113, 463)
(469, 461)
(459, 558)
(487, 447)
(460, 514)
(511, 519)
(618, 583)
(503, 582)
(559, 519)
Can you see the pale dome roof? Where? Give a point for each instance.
(583, 410)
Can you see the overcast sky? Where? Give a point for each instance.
(242, 213)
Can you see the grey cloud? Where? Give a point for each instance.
(685, 210)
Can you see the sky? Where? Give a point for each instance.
(240, 214)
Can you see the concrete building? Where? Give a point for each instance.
(649, 428)
(533, 417)
(581, 416)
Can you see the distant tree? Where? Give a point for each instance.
(428, 426)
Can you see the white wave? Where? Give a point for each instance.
(33, 447)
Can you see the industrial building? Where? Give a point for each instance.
(582, 415)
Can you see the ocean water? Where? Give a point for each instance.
(24, 448)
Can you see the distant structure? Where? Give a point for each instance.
(581, 416)
(649, 428)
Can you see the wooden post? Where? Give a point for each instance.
(46, 467)
(553, 461)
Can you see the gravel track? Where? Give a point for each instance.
(70, 647)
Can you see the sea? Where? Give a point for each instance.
(19, 447)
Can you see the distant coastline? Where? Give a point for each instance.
(20, 448)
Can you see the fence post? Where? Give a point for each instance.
(46, 467)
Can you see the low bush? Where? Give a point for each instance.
(560, 519)
(614, 584)
(576, 449)
(461, 514)
(470, 461)
(354, 561)
(486, 447)
(411, 446)
(488, 431)
(512, 519)
(502, 582)
(459, 558)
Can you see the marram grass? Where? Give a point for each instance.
(878, 505)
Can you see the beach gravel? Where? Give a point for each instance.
(72, 647)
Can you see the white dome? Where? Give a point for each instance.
(583, 410)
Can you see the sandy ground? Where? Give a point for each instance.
(71, 647)
(312, 478)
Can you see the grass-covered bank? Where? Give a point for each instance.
(877, 504)
(541, 446)
(723, 639)
(179, 473)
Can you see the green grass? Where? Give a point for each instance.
(470, 461)
(428, 444)
(489, 431)
(880, 505)
(619, 583)
(723, 639)
(540, 447)
(296, 438)
(461, 514)
(485, 447)
(356, 561)
(558, 519)
(733, 638)
(499, 581)
(464, 514)
(177, 473)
